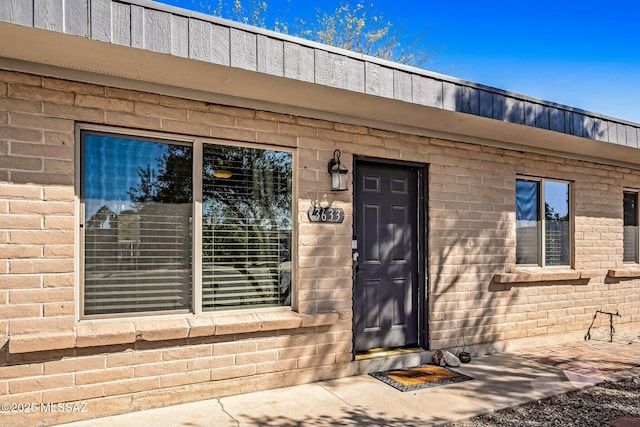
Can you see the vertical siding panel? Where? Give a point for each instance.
(578, 124)
(451, 96)
(498, 106)
(612, 132)
(244, 48)
(587, 126)
(402, 90)
(339, 71)
(137, 26)
(542, 113)
(486, 103)
(157, 31)
(100, 20)
(514, 111)
(621, 133)
(17, 12)
(299, 62)
(556, 120)
(529, 114)
(322, 71)
(220, 45)
(426, 91)
(270, 56)
(378, 80)
(76, 14)
(199, 40)
(632, 136)
(180, 36)
(600, 129)
(48, 15)
(121, 24)
(568, 129)
(354, 74)
(470, 100)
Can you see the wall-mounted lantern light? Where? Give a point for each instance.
(338, 173)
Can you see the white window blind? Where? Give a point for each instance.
(246, 232)
(137, 230)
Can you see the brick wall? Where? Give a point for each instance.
(471, 220)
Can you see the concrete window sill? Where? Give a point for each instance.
(543, 275)
(625, 273)
(104, 333)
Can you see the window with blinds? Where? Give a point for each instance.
(138, 228)
(246, 228)
(137, 199)
(542, 223)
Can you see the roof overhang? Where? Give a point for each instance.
(81, 58)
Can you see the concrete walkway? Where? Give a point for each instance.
(500, 381)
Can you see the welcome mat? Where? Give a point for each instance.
(422, 376)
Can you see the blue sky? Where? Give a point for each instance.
(581, 53)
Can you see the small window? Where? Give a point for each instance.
(542, 222)
(171, 226)
(630, 237)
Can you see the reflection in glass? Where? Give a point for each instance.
(556, 215)
(530, 219)
(246, 227)
(630, 238)
(137, 197)
(528, 223)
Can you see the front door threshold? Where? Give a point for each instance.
(387, 352)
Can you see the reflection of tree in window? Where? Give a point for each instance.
(139, 239)
(531, 221)
(630, 227)
(246, 227)
(557, 239)
(138, 242)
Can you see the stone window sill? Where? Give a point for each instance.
(543, 275)
(625, 273)
(104, 333)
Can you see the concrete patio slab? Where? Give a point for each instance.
(500, 381)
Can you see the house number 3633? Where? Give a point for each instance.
(318, 214)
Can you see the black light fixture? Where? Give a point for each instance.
(338, 173)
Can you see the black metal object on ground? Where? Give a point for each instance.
(611, 328)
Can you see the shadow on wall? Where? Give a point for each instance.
(493, 104)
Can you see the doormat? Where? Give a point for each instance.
(419, 377)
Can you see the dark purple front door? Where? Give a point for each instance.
(386, 309)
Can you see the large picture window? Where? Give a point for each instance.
(542, 222)
(154, 210)
(630, 236)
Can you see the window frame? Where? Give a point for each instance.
(197, 144)
(636, 192)
(541, 250)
